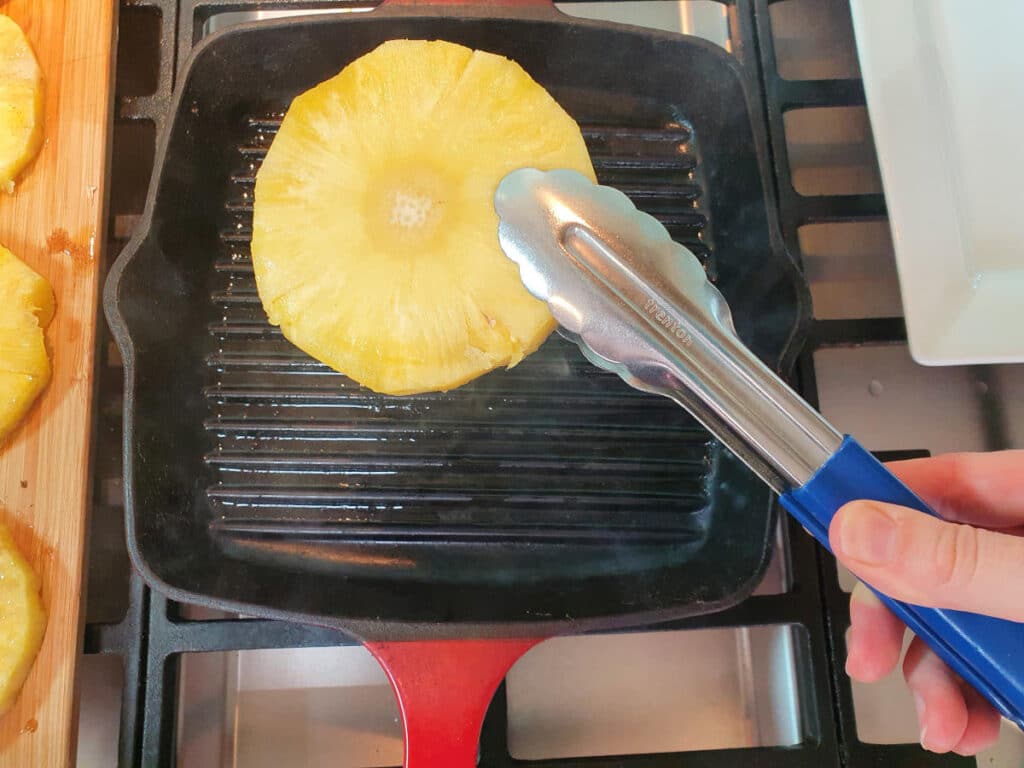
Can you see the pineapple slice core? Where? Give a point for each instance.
(407, 210)
(375, 240)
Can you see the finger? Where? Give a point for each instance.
(875, 640)
(979, 488)
(982, 724)
(941, 707)
(920, 559)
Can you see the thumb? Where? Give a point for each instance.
(923, 560)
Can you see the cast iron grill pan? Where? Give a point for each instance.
(260, 479)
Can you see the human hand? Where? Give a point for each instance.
(972, 560)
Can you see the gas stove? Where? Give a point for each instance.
(759, 684)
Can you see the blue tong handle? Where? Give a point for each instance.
(986, 652)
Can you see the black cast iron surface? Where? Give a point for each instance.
(150, 631)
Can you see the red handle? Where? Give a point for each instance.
(493, 3)
(444, 688)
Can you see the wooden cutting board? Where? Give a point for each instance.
(54, 222)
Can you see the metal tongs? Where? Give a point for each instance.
(640, 305)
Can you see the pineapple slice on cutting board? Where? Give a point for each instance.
(375, 240)
(22, 619)
(21, 103)
(26, 308)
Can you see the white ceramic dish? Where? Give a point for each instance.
(944, 81)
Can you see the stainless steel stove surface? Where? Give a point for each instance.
(253, 693)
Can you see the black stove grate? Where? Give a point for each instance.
(150, 632)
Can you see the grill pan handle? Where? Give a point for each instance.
(478, 3)
(444, 688)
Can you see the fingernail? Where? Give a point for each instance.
(868, 535)
(920, 707)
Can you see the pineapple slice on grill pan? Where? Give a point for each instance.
(375, 240)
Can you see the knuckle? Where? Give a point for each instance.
(960, 484)
(956, 557)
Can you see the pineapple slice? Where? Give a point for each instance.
(22, 619)
(375, 240)
(26, 308)
(21, 103)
